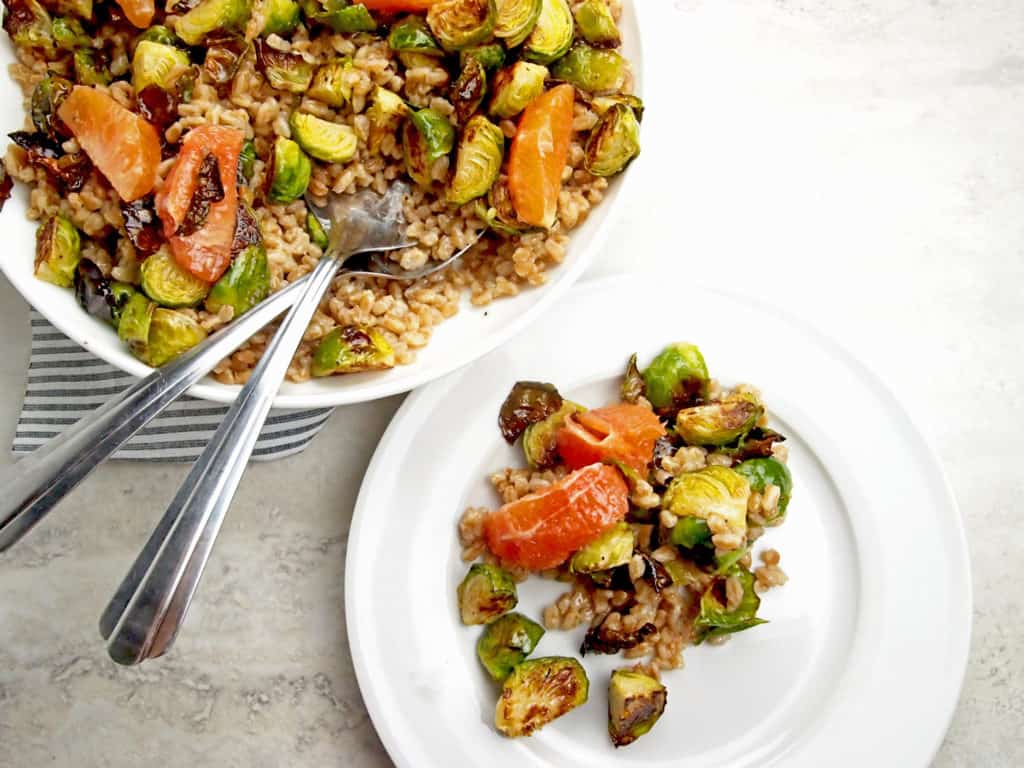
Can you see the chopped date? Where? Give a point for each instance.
(158, 106)
(247, 230)
(6, 186)
(70, 170)
(601, 638)
(209, 190)
(142, 225)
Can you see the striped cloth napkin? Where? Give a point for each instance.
(65, 383)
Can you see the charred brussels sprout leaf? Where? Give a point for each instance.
(170, 334)
(490, 56)
(506, 642)
(344, 18)
(322, 139)
(414, 148)
(611, 549)
(58, 250)
(715, 619)
(458, 24)
(761, 473)
(486, 593)
(92, 290)
(283, 16)
(601, 104)
(757, 443)
(352, 349)
(539, 439)
(246, 162)
(635, 702)
(28, 25)
(499, 213)
(157, 64)
(528, 403)
(134, 317)
(284, 71)
(288, 171)
(591, 69)
(596, 24)
(677, 377)
(468, 90)
(316, 232)
(224, 55)
(68, 33)
(212, 16)
(516, 20)
(552, 35)
(46, 98)
(90, 67)
(717, 423)
(603, 637)
(632, 383)
(515, 87)
(385, 113)
(330, 84)
(614, 142)
(691, 532)
(539, 691)
(142, 225)
(478, 163)
(427, 137)
(245, 284)
(710, 491)
(412, 35)
(168, 284)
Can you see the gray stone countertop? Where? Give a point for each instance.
(859, 162)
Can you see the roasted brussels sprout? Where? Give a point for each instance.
(635, 702)
(516, 20)
(458, 24)
(159, 34)
(591, 69)
(611, 549)
(157, 64)
(68, 33)
(134, 316)
(490, 56)
(478, 163)
(224, 54)
(412, 35)
(316, 232)
(58, 250)
(170, 334)
(246, 162)
(613, 143)
(539, 444)
(90, 68)
(506, 642)
(601, 104)
(330, 84)
(486, 593)
(324, 140)
(284, 71)
(710, 491)
(288, 171)
(539, 691)
(468, 90)
(603, 637)
(717, 423)
(352, 349)
(168, 284)
(245, 284)
(690, 532)
(46, 97)
(426, 137)
(715, 619)
(385, 113)
(677, 377)
(596, 24)
(83, 9)
(528, 403)
(283, 16)
(552, 36)
(344, 18)
(212, 16)
(28, 25)
(413, 59)
(92, 291)
(515, 87)
(762, 472)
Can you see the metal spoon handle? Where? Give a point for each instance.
(32, 486)
(150, 613)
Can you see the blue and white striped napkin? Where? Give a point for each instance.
(65, 383)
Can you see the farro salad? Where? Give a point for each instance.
(648, 508)
(168, 151)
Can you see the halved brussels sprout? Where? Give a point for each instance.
(414, 148)
(506, 642)
(458, 24)
(527, 403)
(552, 36)
(46, 98)
(385, 113)
(710, 491)
(490, 56)
(611, 549)
(352, 349)
(596, 24)
(427, 137)
(591, 69)
(246, 162)
(677, 377)
(89, 67)
(120, 295)
(168, 284)
(635, 702)
(715, 620)
(690, 532)
(28, 25)
(134, 317)
(58, 251)
(601, 104)
(283, 16)
(330, 83)
(244, 285)
(468, 91)
(284, 71)
(717, 423)
(68, 33)
(211, 16)
(324, 140)
(539, 691)
(344, 18)
(516, 20)
(170, 334)
(764, 471)
(159, 34)
(157, 64)
(486, 593)
(515, 87)
(478, 163)
(317, 235)
(412, 35)
(288, 171)
(539, 439)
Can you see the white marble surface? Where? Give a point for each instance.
(858, 161)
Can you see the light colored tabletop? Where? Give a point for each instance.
(858, 162)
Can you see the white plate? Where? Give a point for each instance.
(469, 335)
(863, 658)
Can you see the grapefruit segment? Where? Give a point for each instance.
(623, 432)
